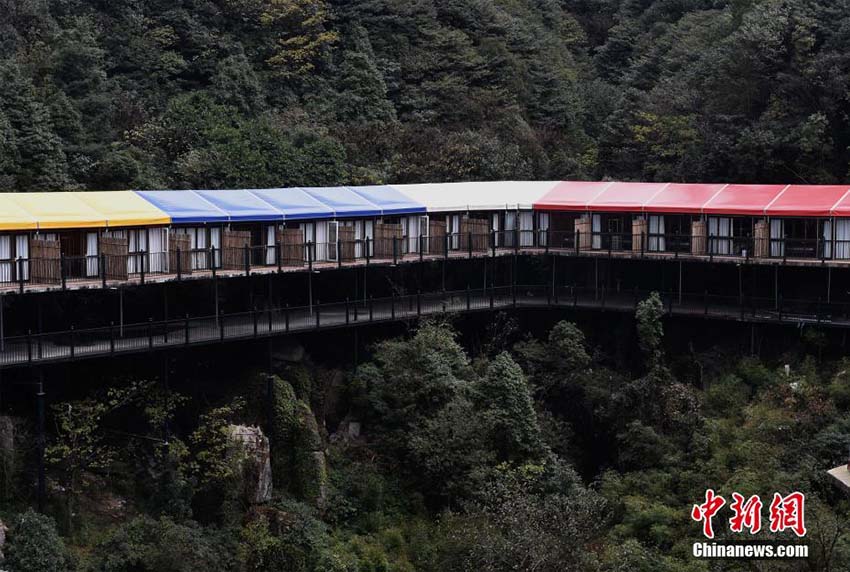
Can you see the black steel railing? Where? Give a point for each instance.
(138, 266)
(113, 338)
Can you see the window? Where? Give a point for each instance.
(657, 241)
(720, 235)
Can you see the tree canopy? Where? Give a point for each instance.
(225, 93)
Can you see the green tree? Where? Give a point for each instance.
(508, 409)
(35, 546)
(650, 329)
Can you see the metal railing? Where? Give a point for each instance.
(137, 266)
(73, 344)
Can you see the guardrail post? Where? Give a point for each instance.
(368, 249)
(347, 317)
(143, 258)
(277, 256)
(493, 243)
(179, 265)
(419, 302)
(421, 248)
(310, 256)
(286, 318)
(21, 275)
(371, 309)
(246, 253)
(468, 299)
(256, 318)
(211, 254)
(186, 329)
(270, 321)
(469, 244)
(102, 270)
(578, 242)
(446, 246)
(356, 311)
(150, 333)
(111, 337)
(516, 241)
(395, 250)
(546, 238)
(221, 325)
(63, 271)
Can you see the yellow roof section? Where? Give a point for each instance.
(59, 210)
(13, 217)
(125, 208)
(77, 210)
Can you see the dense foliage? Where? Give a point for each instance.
(544, 454)
(228, 93)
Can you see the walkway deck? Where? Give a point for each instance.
(72, 345)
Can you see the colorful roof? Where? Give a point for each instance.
(110, 209)
(185, 207)
(682, 198)
(743, 199)
(50, 211)
(344, 201)
(294, 203)
(389, 200)
(241, 205)
(479, 196)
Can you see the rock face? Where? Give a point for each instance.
(255, 458)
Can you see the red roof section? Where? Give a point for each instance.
(842, 206)
(743, 199)
(682, 198)
(571, 195)
(808, 200)
(698, 198)
(625, 196)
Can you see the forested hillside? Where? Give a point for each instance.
(577, 450)
(228, 93)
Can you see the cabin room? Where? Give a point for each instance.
(191, 216)
(397, 209)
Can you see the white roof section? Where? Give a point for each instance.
(481, 196)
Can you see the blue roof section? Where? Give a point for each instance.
(391, 201)
(242, 205)
(293, 203)
(343, 201)
(274, 205)
(184, 207)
